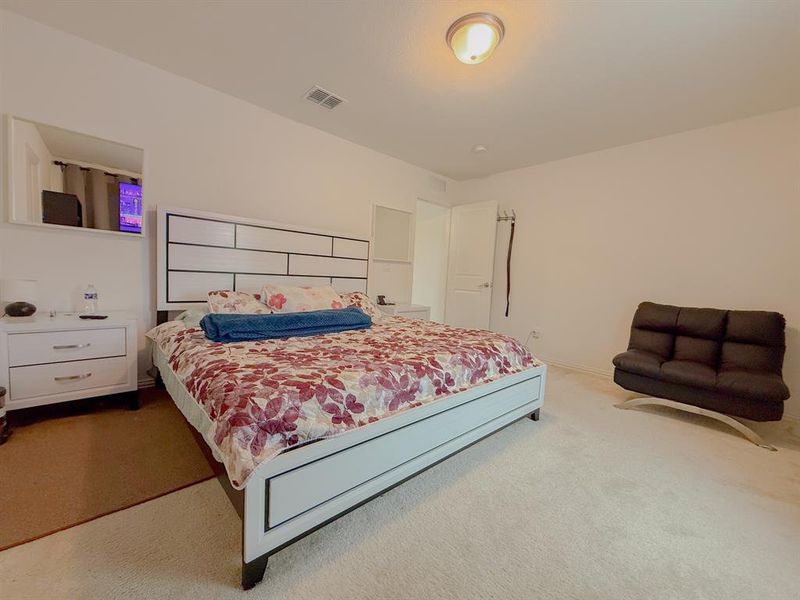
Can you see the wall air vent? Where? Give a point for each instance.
(323, 97)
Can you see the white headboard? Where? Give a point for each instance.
(200, 251)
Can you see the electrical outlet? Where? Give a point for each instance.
(536, 334)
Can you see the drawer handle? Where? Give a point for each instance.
(72, 377)
(71, 346)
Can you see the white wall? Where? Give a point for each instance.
(709, 217)
(431, 248)
(202, 149)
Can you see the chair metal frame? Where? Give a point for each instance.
(748, 433)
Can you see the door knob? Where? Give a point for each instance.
(485, 285)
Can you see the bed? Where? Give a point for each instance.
(304, 430)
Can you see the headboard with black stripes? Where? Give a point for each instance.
(199, 252)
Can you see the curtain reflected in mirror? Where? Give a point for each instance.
(65, 178)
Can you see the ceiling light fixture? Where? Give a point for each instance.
(474, 37)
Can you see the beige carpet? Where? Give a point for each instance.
(591, 502)
(66, 464)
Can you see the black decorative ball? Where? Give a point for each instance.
(20, 309)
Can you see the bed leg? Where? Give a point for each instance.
(535, 415)
(253, 571)
(158, 382)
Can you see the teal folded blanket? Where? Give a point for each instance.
(223, 327)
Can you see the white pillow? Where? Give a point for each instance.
(288, 298)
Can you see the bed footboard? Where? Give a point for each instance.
(286, 506)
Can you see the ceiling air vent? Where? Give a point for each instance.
(323, 97)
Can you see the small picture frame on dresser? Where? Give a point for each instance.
(45, 360)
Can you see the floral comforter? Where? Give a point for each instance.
(266, 396)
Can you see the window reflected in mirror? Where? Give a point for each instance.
(65, 178)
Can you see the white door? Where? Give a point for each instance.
(471, 265)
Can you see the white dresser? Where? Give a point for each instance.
(44, 360)
(410, 311)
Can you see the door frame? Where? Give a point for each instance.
(449, 209)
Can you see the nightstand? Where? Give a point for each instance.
(409, 311)
(44, 360)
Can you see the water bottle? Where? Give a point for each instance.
(90, 300)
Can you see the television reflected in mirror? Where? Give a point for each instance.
(62, 178)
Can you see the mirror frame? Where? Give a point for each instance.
(9, 187)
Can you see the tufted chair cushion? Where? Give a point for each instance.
(733, 354)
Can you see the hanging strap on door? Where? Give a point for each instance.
(513, 219)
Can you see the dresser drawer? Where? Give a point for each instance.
(57, 378)
(61, 346)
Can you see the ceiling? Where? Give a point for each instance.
(73, 146)
(569, 77)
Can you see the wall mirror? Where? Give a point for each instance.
(61, 178)
(394, 234)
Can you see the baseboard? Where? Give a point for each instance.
(146, 382)
(577, 367)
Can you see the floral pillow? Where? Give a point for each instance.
(288, 298)
(364, 302)
(227, 301)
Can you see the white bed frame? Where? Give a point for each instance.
(307, 487)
